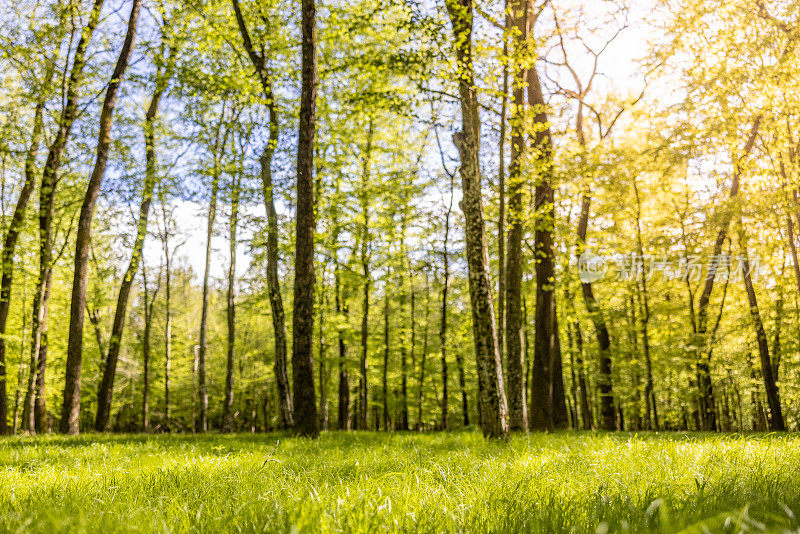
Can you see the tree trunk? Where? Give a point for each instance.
(167, 321)
(549, 408)
(71, 408)
(501, 194)
(651, 407)
(402, 423)
(708, 413)
(21, 367)
(323, 372)
(148, 326)
(604, 382)
(36, 399)
(443, 316)
(305, 406)
(776, 421)
(9, 246)
(385, 375)
(492, 387)
(423, 358)
(367, 281)
(106, 391)
(259, 61)
(227, 412)
(515, 366)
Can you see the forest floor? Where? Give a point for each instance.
(370, 482)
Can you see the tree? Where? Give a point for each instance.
(467, 141)
(305, 407)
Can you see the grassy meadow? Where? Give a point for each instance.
(369, 482)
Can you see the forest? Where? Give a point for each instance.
(504, 239)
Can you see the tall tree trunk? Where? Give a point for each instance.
(12, 235)
(35, 404)
(501, 194)
(492, 388)
(776, 421)
(342, 313)
(443, 315)
(385, 375)
(604, 381)
(305, 406)
(323, 371)
(227, 412)
(651, 407)
(515, 366)
(708, 412)
(148, 327)
(9, 246)
(167, 320)
(423, 358)
(106, 391)
(367, 281)
(260, 63)
(402, 423)
(21, 367)
(549, 408)
(71, 408)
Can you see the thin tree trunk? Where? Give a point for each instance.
(515, 366)
(106, 391)
(323, 371)
(491, 385)
(776, 421)
(708, 414)
(385, 375)
(12, 236)
(21, 367)
(260, 63)
(305, 406)
(36, 398)
(423, 358)
(71, 408)
(651, 407)
(342, 310)
(148, 326)
(402, 423)
(167, 321)
(367, 281)
(9, 246)
(227, 412)
(501, 194)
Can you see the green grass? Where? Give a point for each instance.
(368, 482)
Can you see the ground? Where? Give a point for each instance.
(370, 482)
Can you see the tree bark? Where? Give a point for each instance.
(366, 280)
(9, 247)
(549, 409)
(385, 375)
(515, 366)
(106, 391)
(492, 388)
(708, 412)
(776, 421)
(501, 194)
(227, 412)
(148, 326)
(305, 406)
(70, 410)
(35, 404)
(260, 63)
(651, 407)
